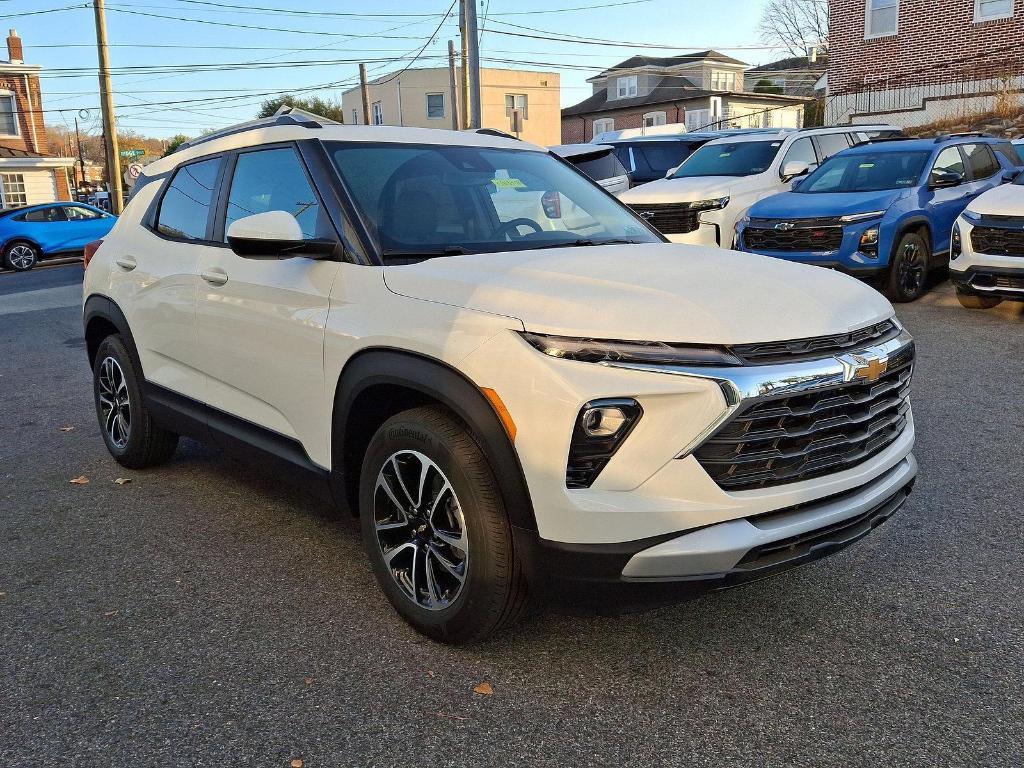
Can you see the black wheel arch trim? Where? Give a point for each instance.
(437, 380)
(99, 307)
(914, 223)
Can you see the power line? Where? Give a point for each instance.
(424, 47)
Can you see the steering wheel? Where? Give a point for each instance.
(510, 227)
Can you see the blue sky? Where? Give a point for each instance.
(224, 65)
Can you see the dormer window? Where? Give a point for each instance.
(626, 87)
(721, 80)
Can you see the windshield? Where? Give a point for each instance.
(866, 172)
(655, 158)
(436, 200)
(599, 165)
(741, 158)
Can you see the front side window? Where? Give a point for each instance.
(435, 105)
(881, 18)
(604, 124)
(185, 208)
(13, 187)
(742, 158)
(49, 214)
(949, 161)
(515, 101)
(378, 113)
(986, 10)
(8, 115)
(439, 200)
(626, 86)
(981, 162)
(802, 150)
(275, 180)
(78, 213)
(866, 172)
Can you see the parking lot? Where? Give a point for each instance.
(207, 613)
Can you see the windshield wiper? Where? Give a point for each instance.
(447, 250)
(583, 241)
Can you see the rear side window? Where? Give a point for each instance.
(78, 213)
(981, 161)
(1009, 153)
(185, 209)
(45, 214)
(831, 143)
(600, 166)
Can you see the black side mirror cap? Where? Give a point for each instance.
(946, 180)
(253, 248)
(1011, 175)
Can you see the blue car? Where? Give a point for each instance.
(33, 232)
(883, 209)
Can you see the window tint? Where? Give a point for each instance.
(802, 150)
(45, 214)
(831, 143)
(185, 208)
(866, 172)
(600, 165)
(949, 161)
(1009, 153)
(980, 160)
(275, 180)
(657, 158)
(78, 213)
(742, 158)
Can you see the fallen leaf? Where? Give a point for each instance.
(108, 614)
(309, 681)
(450, 717)
(484, 689)
(122, 481)
(430, 673)
(80, 480)
(67, 429)
(296, 763)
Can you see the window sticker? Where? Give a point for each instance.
(508, 183)
(866, 166)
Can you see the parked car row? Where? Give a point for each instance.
(31, 233)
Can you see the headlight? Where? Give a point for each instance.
(971, 216)
(642, 352)
(709, 205)
(855, 217)
(956, 244)
(869, 242)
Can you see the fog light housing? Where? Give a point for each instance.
(601, 427)
(869, 242)
(956, 243)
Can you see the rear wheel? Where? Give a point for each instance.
(908, 269)
(970, 301)
(436, 531)
(21, 256)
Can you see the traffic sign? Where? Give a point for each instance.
(132, 152)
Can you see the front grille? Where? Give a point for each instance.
(788, 439)
(805, 349)
(996, 241)
(1006, 281)
(805, 236)
(669, 218)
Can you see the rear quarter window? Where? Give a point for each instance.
(1009, 153)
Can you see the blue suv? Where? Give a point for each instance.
(882, 209)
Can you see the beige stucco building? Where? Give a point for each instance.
(423, 98)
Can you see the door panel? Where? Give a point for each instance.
(944, 205)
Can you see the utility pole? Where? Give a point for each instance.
(453, 84)
(471, 61)
(364, 87)
(81, 155)
(463, 67)
(109, 120)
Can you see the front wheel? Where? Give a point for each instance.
(21, 256)
(969, 301)
(908, 269)
(436, 531)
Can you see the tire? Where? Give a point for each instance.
(20, 256)
(970, 301)
(417, 556)
(908, 269)
(126, 424)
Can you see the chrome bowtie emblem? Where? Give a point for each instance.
(785, 226)
(646, 214)
(865, 367)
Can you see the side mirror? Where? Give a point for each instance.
(945, 180)
(795, 168)
(669, 173)
(274, 235)
(1011, 175)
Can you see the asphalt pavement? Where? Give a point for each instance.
(209, 614)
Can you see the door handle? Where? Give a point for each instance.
(215, 276)
(127, 263)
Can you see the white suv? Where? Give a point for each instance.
(700, 202)
(512, 407)
(986, 258)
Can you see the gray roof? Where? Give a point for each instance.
(791, 63)
(635, 62)
(11, 152)
(667, 89)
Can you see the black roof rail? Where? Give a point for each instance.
(299, 117)
(495, 132)
(881, 139)
(963, 134)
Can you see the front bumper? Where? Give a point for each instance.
(981, 274)
(705, 234)
(668, 569)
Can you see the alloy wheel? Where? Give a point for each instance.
(911, 268)
(22, 256)
(421, 530)
(115, 405)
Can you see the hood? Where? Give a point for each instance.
(1004, 200)
(680, 190)
(795, 205)
(650, 292)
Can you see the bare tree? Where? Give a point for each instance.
(795, 24)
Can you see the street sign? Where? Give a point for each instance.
(132, 152)
(516, 121)
(132, 173)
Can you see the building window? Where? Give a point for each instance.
(13, 188)
(881, 18)
(654, 118)
(603, 124)
(378, 113)
(722, 80)
(8, 115)
(355, 117)
(435, 105)
(625, 87)
(515, 101)
(986, 10)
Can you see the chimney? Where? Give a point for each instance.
(15, 53)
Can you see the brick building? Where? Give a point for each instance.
(704, 90)
(911, 62)
(27, 174)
